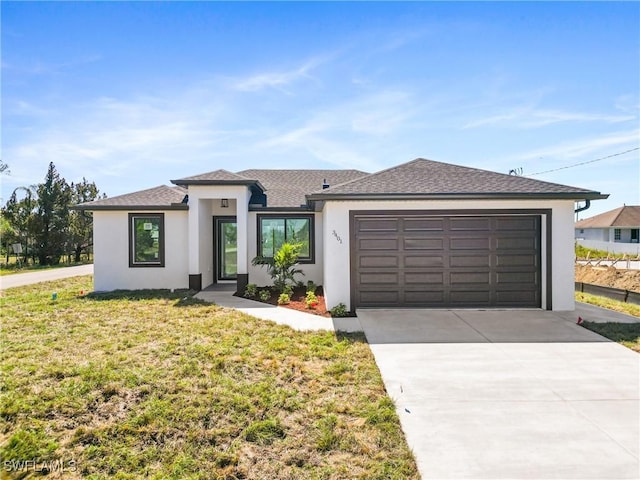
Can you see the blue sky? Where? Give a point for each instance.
(131, 95)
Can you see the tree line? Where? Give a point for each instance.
(39, 219)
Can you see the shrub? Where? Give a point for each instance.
(251, 291)
(311, 300)
(339, 310)
(281, 267)
(311, 287)
(288, 290)
(284, 299)
(265, 294)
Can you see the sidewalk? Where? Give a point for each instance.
(29, 278)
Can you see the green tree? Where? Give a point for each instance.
(20, 213)
(81, 222)
(52, 217)
(7, 234)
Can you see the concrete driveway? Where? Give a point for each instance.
(509, 394)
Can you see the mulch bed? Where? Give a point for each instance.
(298, 302)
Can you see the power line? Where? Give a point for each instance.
(583, 163)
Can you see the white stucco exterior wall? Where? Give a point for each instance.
(111, 253)
(203, 205)
(337, 266)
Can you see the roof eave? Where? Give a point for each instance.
(301, 208)
(186, 183)
(130, 208)
(458, 196)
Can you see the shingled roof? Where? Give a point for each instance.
(427, 178)
(156, 198)
(627, 216)
(288, 188)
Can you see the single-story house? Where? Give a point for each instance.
(420, 234)
(616, 231)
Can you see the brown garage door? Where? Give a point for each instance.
(417, 260)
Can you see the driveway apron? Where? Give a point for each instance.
(509, 394)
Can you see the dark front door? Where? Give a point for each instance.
(226, 248)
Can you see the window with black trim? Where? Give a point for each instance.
(274, 230)
(617, 234)
(146, 239)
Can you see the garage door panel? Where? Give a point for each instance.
(469, 243)
(513, 243)
(421, 298)
(423, 278)
(379, 278)
(447, 261)
(517, 260)
(465, 278)
(378, 244)
(514, 279)
(470, 297)
(470, 223)
(518, 298)
(413, 261)
(380, 261)
(423, 243)
(518, 224)
(478, 260)
(423, 224)
(379, 297)
(379, 225)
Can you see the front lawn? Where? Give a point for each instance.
(159, 385)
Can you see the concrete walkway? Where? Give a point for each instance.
(284, 316)
(29, 278)
(509, 394)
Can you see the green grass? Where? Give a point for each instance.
(609, 303)
(627, 334)
(582, 253)
(159, 385)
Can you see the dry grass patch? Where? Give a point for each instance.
(159, 385)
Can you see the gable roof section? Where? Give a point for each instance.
(218, 177)
(422, 178)
(627, 216)
(289, 188)
(157, 198)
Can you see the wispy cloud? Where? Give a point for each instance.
(48, 68)
(278, 79)
(580, 148)
(531, 117)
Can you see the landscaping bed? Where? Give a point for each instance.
(298, 301)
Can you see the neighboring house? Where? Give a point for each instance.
(616, 231)
(421, 234)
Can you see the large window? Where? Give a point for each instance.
(273, 231)
(146, 240)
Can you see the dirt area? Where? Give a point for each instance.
(609, 277)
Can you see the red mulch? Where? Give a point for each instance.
(298, 301)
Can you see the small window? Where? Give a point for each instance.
(146, 240)
(273, 231)
(582, 230)
(616, 234)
